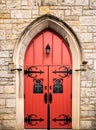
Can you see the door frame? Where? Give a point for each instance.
(37, 26)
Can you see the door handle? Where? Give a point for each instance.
(50, 98)
(45, 98)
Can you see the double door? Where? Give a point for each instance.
(48, 97)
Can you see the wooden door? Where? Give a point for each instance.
(35, 100)
(61, 100)
(48, 97)
(48, 83)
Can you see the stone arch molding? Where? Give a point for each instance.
(38, 25)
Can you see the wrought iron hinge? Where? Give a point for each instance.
(19, 69)
(30, 72)
(80, 70)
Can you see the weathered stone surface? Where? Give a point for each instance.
(94, 84)
(10, 35)
(43, 2)
(4, 54)
(87, 45)
(1, 21)
(88, 55)
(21, 14)
(76, 11)
(10, 102)
(7, 45)
(93, 100)
(86, 20)
(1, 61)
(93, 4)
(2, 34)
(94, 40)
(79, 29)
(87, 107)
(2, 102)
(35, 12)
(67, 12)
(7, 111)
(1, 89)
(72, 22)
(84, 101)
(2, 2)
(44, 10)
(8, 124)
(60, 7)
(4, 16)
(21, 21)
(7, 116)
(7, 96)
(92, 113)
(66, 2)
(13, 4)
(24, 2)
(59, 13)
(84, 113)
(93, 92)
(95, 64)
(86, 83)
(17, 28)
(85, 37)
(89, 12)
(82, 2)
(85, 124)
(71, 18)
(48, 2)
(85, 92)
(4, 74)
(92, 29)
(9, 89)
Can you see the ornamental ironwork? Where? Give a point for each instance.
(63, 71)
(32, 73)
(58, 87)
(32, 119)
(38, 87)
(63, 119)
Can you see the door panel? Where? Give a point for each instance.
(60, 53)
(60, 108)
(36, 82)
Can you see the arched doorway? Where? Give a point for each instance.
(48, 83)
(37, 26)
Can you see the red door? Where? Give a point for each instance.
(48, 83)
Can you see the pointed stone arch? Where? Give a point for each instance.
(60, 27)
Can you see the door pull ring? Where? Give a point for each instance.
(50, 98)
(45, 98)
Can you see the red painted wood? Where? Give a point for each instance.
(61, 102)
(34, 104)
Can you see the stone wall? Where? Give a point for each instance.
(15, 16)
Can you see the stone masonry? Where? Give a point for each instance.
(15, 16)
